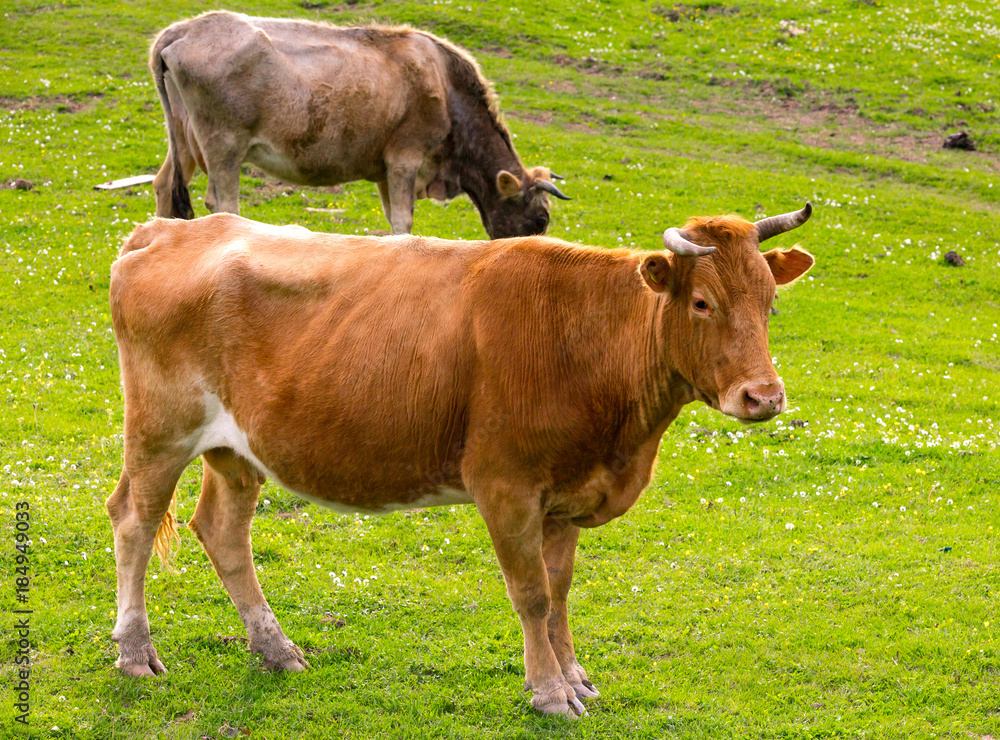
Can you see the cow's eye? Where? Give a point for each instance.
(701, 305)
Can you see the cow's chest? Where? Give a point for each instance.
(607, 490)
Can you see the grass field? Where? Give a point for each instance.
(833, 574)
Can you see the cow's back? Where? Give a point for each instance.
(310, 102)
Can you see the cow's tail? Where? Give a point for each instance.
(180, 198)
(166, 535)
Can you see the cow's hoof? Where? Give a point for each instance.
(577, 678)
(558, 699)
(282, 656)
(141, 664)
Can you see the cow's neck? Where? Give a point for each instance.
(478, 153)
(657, 390)
(659, 395)
(481, 186)
(662, 390)
(676, 390)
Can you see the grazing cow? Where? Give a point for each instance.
(530, 377)
(315, 104)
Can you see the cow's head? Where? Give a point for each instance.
(520, 205)
(720, 288)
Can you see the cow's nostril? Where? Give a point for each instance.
(759, 401)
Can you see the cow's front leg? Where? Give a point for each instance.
(383, 192)
(515, 527)
(223, 156)
(559, 551)
(221, 522)
(402, 178)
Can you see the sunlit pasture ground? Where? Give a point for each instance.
(831, 574)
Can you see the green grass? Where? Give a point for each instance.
(785, 581)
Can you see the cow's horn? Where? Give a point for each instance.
(677, 242)
(548, 187)
(554, 176)
(768, 227)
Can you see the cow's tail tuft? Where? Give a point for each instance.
(166, 535)
(180, 198)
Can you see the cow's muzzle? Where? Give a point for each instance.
(755, 401)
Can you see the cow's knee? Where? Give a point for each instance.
(218, 199)
(530, 600)
(117, 503)
(211, 198)
(133, 516)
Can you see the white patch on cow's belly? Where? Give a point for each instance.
(220, 430)
(442, 497)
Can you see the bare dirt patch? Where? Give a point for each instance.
(232, 640)
(820, 119)
(326, 7)
(681, 11)
(648, 73)
(588, 65)
(562, 86)
(43, 9)
(827, 119)
(59, 103)
(545, 118)
(497, 51)
(844, 125)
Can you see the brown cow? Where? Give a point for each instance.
(531, 377)
(315, 104)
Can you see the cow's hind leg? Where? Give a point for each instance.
(559, 551)
(515, 527)
(137, 506)
(221, 522)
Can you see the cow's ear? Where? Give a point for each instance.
(508, 184)
(788, 265)
(655, 271)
